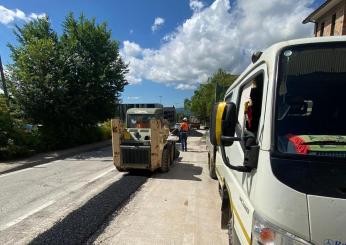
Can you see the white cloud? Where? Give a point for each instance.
(196, 5)
(37, 16)
(131, 49)
(182, 86)
(7, 16)
(217, 36)
(133, 97)
(158, 22)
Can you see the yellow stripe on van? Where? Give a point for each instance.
(218, 128)
(235, 212)
(248, 238)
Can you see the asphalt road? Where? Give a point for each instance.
(178, 207)
(75, 201)
(64, 201)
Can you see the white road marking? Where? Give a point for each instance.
(17, 220)
(30, 168)
(101, 175)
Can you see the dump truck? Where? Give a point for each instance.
(143, 141)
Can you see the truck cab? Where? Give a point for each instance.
(280, 140)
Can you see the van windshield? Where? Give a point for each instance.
(311, 101)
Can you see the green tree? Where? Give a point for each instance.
(187, 105)
(68, 83)
(6, 123)
(93, 70)
(213, 90)
(14, 139)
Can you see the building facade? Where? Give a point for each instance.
(329, 18)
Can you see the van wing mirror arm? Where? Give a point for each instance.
(226, 161)
(228, 139)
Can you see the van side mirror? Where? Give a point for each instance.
(223, 120)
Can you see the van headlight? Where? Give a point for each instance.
(265, 233)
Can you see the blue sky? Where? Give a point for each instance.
(191, 41)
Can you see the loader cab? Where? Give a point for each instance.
(142, 142)
(138, 121)
(281, 146)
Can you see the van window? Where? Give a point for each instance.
(250, 105)
(310, 102)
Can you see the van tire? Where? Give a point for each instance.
(232, 236)
(225, 209)
(165, 162)
(211, 165)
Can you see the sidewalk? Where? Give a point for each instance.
(178, 207)
(10, 166)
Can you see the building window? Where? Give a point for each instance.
(332, 29)
(322, 29)
(316, 28)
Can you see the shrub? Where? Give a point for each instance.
(15, 140)
(106, 130)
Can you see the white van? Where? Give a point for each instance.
(280, 140)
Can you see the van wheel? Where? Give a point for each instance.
(165, 160)
(232, 236)
(211, 165)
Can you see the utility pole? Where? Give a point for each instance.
(4, 87)
(160, 98)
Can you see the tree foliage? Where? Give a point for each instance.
(6, 123)
(15, 140)
(213, 90)
(67, 83)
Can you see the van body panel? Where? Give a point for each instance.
(327, 220)
(278, 203)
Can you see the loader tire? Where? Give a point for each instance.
(120, 169)
(171, 153)
(176, 152)
(165, 160)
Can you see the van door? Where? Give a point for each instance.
(249, 97)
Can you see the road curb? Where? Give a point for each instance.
(50, 156)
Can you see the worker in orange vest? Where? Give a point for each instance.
(184, 129)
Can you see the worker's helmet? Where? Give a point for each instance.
(185, 119)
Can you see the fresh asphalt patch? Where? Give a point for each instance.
(81, 224)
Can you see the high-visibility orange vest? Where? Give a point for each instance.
(184, 126)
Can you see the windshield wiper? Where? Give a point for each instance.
(325, 142)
